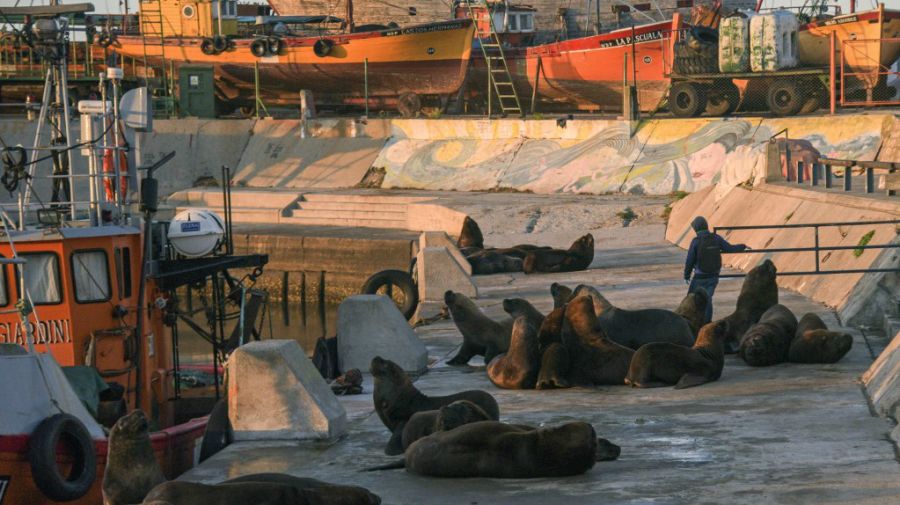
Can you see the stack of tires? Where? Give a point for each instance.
(698, 53)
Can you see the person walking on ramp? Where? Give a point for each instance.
(704, 259)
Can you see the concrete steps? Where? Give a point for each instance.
(365, 211)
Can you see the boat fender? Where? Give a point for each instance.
(276, 45)
(322, 47)
(220, 43)
(398, 279)
(208, 47)
(42, 456)
(259, 48)
(105, 39)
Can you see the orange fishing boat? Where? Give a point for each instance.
(336, 65)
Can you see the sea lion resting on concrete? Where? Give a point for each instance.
(594, 359)
(662, 364)
(470, 235)
(693, 309)
(397, 399)
(577, 257)
(768, 341)
(634, 328)
(813, 343)
(261, 489)
(497, 450)
(131, 466)
(486, 262)
(518, 367)
(758, 293)
(481, 334)
(561, 294)
(422, 424)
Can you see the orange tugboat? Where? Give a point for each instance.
(337, 65)
(88, 307)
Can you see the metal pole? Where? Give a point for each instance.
(256, 85)
(366, 82)
(25, 196)
(537, 82)
(490, 84)
(117, 165)
(870, 180)
(817, 247)
(832, 75)
(800, 172)
(64, 93)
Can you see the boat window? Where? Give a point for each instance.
(187, 11)
(513, 23)
(527, 22)
(41, 271)
(123, 271)
(90, 274)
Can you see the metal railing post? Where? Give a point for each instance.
(800, 172)
(870, 180)
(848, 178)
(815, 173)
(366, 83)
(816, 229)
(829, 177)
(256, 86)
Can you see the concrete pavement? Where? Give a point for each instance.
(784, 434)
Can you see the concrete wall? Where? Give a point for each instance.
(858, 298)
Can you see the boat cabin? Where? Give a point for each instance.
(513, 23)
(189, 18)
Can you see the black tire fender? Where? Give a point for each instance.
(208, 47)
(323, 47)
(220, 43)
(259, 48)
(275, 45)
(42, 458)
(397, 278)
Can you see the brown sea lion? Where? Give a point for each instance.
(329, 494)
(131, 466)
(248, 490)
(481, 334)
(693, 309)
(768, 341)
(813, 343)
(470, 235)
(520, 307)
(554, 370)
(594, 359)
(498, 450)
(561, 294)
(422, 424)
(662, 364)
(518, 251)
(577, 257)
(518, 367)
(397, 399)
(634, 328)
(551, 328)
(758, 293)
(490, 262)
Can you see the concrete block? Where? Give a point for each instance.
(438, 271)
(441, 239)
(371, 325)
(882, 379)
(275, 393)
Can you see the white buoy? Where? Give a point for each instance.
(196, 232)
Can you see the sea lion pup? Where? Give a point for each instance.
(594, 359)
(758, 293)
(481, 334)
(518, 367)
(561, 294)
(768, 341)
(634, 328)
(577, 257)
(499, 450)
(422, 424)
(131, 466)
(470, 235)
(397, 399)
(813, 343)
(693, 309)
(662, 364)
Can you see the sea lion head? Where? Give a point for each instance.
(457, 414)
(607, 451)
(764, 272)
(716, 331)
(386, 369)
(757, 347)
(584, 243)
(470, 235)
(601, 304)
(580, 315)
(698, 299)
(133, 426)
(561, 294)
(517, 307)
(832, 344)
(569, 441)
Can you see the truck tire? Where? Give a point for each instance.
(784, 98)
(723, 99)
(687, 99)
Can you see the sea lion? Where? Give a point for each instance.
(498, 450)
(518, 251)
(331, 494)
(768, 341)
(481, 334)
(577, 257)
(470, 235)
(518, 367)
(634, 328)
(131, 466)
(758, 293)
(422, 424)
(813, 343)
(561, 294)
(594, 359)
(550, 330)
(260, 489)
(520, 307)
(663, 364)
(487, 262)
(554, 368)
(693, 309)
(397, 399)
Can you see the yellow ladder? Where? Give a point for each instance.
(495, 61)
(152, 34)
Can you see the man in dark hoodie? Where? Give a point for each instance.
(704, 258)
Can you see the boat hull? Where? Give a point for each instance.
(588, 73)
(426, 60)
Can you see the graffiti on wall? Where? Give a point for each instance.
(662, 156)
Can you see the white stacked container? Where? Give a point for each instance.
(773, 41)
(734, 42)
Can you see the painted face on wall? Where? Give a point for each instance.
(705, 163)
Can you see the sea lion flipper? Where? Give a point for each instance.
(396, 465)
(690, 380)
(395, 444)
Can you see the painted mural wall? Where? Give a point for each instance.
(601, 157)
